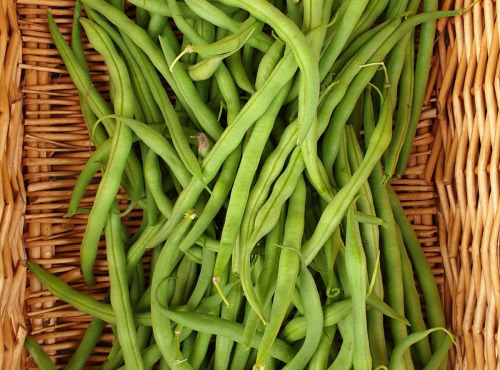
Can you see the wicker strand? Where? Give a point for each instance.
(12, 197)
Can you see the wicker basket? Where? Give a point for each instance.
(450, 190)
(12, 198)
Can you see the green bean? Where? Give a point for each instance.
(313, 14)
(242, 184)
(370, 15)
(235, 66)
(137, 281)
(183, 278)
(268, 63)
(358, 283)
(203, 70)
(390, 253)
(81, 78)
(219, 194)
(88, 114)
(150, 356)
(119, 4)
(288, 31)
(331, 249)
(224, 345)
(397, 357)
(160, 145)
(314, 318)
(422, 68)
(345, 94)
(230, 94)
(322, 354)
(179, 140)
(141, 88)
(202, 115)
(438, 359)
(332, 215)
(37, 353)
(412, 303)
(344, 359)
(142, 16)
(355, 46)
(188, 343)
(115, 357)
(161, 9)
(378, 304)
(156, 25)
(80, 301)
(363, 77)
(288, 269)
(229, 44)
(266, 281)
(434, 308)
(370, 237)
(187, 199)
(403, 115)
(201, 344)
(144, 336)
(146, 82)
(339, 10)
(202, 341)
(167, 260)
(152, 175)
(397, 60)
(87, 344)
(120, 148)
(293, 12)
(168, 32)
(211, 324)
(214, 15)
(257, 196)
(137, 249)
(269, 213)
(345, 26)
(223, 185)
(163, 364)
(76, 40)
(151, 212)
(241, 354)
(94, 163)
(127, 335)
(270, 171)
(251, 59)
(315, 169)
(395, 7)
(203, 283)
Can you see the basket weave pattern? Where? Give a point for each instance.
(446, 213)
(12, 196)
(468, 180)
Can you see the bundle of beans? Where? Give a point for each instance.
(276, 239)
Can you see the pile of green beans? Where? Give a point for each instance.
(276, 240)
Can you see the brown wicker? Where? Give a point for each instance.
(468, 182)
(455, 157)
(12, 194)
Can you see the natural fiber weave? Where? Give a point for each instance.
(56, 145)
(12, 195)
(468, 181)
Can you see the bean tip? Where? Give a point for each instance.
(192, 214)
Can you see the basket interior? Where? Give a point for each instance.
(56, 145)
